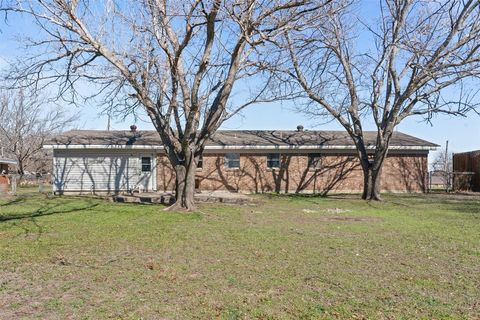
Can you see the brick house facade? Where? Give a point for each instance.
(237, 161)
(336, 173)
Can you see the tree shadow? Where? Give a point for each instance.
(17, 200)
(46, 210)
(413, 173)
(294, 175)
(102, 173)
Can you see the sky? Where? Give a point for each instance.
(463, 133)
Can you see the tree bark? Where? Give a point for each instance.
(372, 170)
(185, 184)
(371, 183)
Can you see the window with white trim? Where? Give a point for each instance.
(273, 160)
(232, 160)
(146, 164)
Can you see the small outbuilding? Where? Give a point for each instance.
(466, 171)
(247, 161)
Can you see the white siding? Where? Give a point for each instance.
(101, 171)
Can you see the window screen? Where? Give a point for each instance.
(232, 160)
(273, 160)
(146, 164)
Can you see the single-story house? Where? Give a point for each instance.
(247, 161)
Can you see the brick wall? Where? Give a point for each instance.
(337, 173)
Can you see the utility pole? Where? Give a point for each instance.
(446, 169)
(108, 122)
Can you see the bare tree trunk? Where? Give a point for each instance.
(371, 183)
(372, 173)
(185, 184)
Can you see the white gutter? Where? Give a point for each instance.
(8, 161)
(233, 147)
(100, 146)
(313, 147)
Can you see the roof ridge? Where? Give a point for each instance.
(244, 138)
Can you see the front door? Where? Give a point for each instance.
(145, 179)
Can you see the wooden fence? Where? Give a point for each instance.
(466, 168)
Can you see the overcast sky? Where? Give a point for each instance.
(463, 133)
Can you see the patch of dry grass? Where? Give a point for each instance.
(286, 257)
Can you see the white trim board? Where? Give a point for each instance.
(232, 147)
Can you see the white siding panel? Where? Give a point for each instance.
(96, 173)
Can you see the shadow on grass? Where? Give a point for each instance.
(17, 200)
(46, 210)
(471, 207)
(301, 196)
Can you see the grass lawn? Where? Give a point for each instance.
(287, 257)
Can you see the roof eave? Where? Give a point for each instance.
(8, 161)
(236, 147)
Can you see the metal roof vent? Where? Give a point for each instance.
(299, 128)
(133, 128)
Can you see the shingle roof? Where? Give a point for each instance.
(240, 138)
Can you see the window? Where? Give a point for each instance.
(200, 162)
(371, 157)
(146, 164)
(232, 160)
(273, 160)
(314, 161)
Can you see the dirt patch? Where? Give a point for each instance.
(329, 210)
(454, 196)
(351, 219)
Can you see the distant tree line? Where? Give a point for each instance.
(26, 122)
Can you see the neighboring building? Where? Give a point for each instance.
(239, 161)
(6, 164)
(440, 180)
(466, 170)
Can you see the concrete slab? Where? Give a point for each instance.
(168, 198)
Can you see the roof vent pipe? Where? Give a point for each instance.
(133, 128)
(299, 128)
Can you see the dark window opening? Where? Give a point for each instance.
(200, 162)
(314, 161)
(273, 160)
(232, 160)
(146, 164)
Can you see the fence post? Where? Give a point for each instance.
(40, 185)
(13, 183)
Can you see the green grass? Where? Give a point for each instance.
(287, 257)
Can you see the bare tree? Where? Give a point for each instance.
(178, 60)
(420, 58)
(442, 167)
(25, 124)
